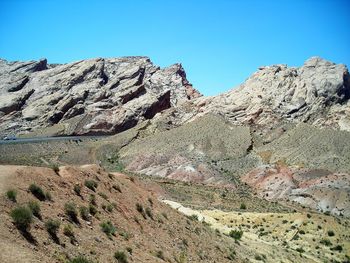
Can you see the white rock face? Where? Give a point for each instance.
(317, 93)
(97, 96)
(107, 96)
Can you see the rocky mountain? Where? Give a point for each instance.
(267, 164)
(97, 96)
(316, 93)
(294, 120)
(108, 96)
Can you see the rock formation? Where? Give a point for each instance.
(97, 96)
(317, 93)
(107, 96)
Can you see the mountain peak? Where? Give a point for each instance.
(317, 61)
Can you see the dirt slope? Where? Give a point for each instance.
(160, 235)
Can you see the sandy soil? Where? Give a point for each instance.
(278, 237)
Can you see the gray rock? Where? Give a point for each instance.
(106, 96)
(317, 93)
(97, 96)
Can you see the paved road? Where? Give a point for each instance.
(46, 139)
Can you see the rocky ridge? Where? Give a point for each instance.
(108, 96)
(96, 96)
(316, 93)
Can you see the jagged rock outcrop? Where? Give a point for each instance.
(107, 96)
(97, 96)
(317, 93)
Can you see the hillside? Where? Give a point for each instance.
(146, 230)
(306, 165)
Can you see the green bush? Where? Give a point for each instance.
(91, 184)
(92, 209)
(68, 231)
(80, 259)
(121, 257)
(236, 234)
(125, 235)
(84, 213)
(140, 209)
(52, 226)
(165, 215)
(330, 233)
(117, 187)
(108, 228)
(35, 208)
(109, 207)
(243, 206)
(258, 257)
(337, 248)
(55, 168)
(37, 191)
(103, 195)
(22, 217)
(12, 195)
(92, 199)
(149, 212)
(48, 196)
(160, 254)
(77, 189)
(71, 211)
(232, 254)
(326, 242)
(300, 250)
(193, 217)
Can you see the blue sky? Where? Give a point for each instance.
(219, 43)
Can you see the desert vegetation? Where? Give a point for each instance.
(86, 217)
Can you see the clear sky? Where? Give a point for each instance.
(219, 42)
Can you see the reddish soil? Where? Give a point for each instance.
(170, 232)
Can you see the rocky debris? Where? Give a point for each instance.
(96, 96)
(316, 93)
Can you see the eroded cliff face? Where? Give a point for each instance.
(97, 96)
(107, 96)
(317, 93)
